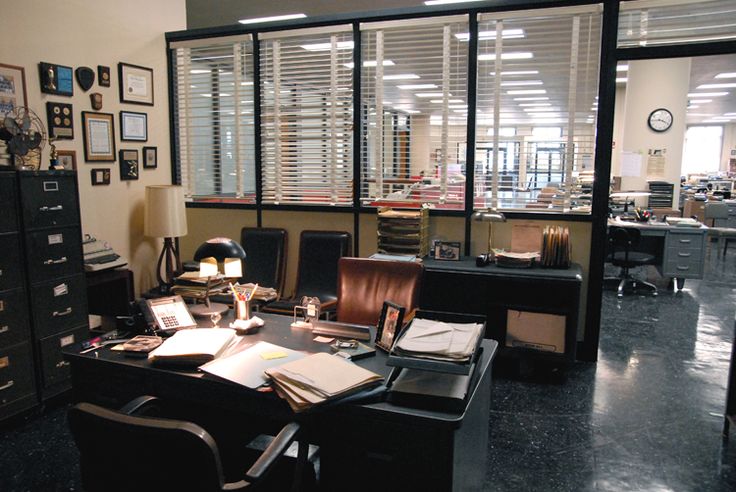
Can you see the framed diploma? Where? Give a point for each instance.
(133, 126)
(136, 84)
(12, 87)
(99, 137)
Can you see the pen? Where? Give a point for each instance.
(252, 293)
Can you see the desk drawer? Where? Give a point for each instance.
(10, 262)
(49, 201)
(16, 373)
(59, 305)
(54, 253)
(679, 240)
(684, 267)
(55, 368)
(13, 318)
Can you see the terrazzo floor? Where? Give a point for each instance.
(647, 416)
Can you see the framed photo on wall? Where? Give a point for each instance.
(12, 88)
(99, 137)
(150, 157)
(136, 84)
(133, 126)
(67, 158)
(100, 176)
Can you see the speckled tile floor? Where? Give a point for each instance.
(647, 416)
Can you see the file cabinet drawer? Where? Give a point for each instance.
(49, 200)
(59, 305)
(9, 215)
(54, 253)
(16, 373)
(13, 318)
(10, 261)
(53, 366)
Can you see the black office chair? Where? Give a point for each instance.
(125, 450)
(265, 250)
(622, 242)
(316, 275)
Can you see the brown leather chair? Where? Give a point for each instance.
(364, 284)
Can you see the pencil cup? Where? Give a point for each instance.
(242, 310)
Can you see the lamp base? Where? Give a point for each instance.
(205, 311)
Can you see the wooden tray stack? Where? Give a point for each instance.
(403, 232)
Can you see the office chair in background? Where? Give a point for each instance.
(265, 250)
(622, 243)
(126, 450)
(716, 218)
(364, 284)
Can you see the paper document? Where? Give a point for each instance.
(439, 340)
(194, 346)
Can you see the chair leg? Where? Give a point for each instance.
(725, 246)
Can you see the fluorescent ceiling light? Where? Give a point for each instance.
(372, 63)
(526, 91)
(416, 86)
(621, 80)
(247, 83)
(443, 2)
(729, 114)
(730, 85)
(533, 105)
(341, 45)
(726, 75)
(401, 76)
(411, 111)
(539, 98)
(622, 68)
(458, 106)
(707, 94)
(429, 94)
(484, 35)
(451, 101)
(272, 18)
(198, 71)
(693, 106)
(700, 101)
(514, 55)
(517, 72)
(521, 83)
(533, 110)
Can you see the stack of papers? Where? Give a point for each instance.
(515, 260)
(682, 222)
(317, 378)
(437, 340)
(261, 293)
(194, 347)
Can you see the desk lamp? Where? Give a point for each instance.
(211, 254)
(489, 215)
(165, 216)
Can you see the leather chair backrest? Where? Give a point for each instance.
(364, 284)
(319, 252)
(265, 260)
(124, 452)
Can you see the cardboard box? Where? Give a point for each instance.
(538, 331)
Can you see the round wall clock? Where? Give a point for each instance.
(660, 120)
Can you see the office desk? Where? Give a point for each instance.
(461, 286)
(368, 446)
(680, 251)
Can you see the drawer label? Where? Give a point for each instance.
(50, 186)
(56, 238)
(4, 362)
(67, 340)
(61, 290)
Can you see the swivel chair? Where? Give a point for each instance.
(622, 242)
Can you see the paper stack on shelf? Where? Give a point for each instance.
(317, 378)
(193, 347)
(438, 340)
(515, 260)
(194, 286)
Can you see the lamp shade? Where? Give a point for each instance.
(219, 248)
(165, 214)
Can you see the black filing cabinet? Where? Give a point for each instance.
(17, 381)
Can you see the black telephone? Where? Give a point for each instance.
(160, 316)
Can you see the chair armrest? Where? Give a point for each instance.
(140, 405)
(274, 451)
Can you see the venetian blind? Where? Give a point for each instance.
(306, 116)
(213, 116)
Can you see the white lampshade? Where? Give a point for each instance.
(165, 214)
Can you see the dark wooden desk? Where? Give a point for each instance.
(463, 287)
(363, 446)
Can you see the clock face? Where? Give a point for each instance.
(660, 120)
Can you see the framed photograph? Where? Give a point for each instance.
(389, 325)
(128, 165)
(99, 137)
(150, 157)
(136, 84)
(67, 158)
(100, 176)
(12, 88)
(444, 250)
(56, 79)
(133, 126)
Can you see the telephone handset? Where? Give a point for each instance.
(167, 314)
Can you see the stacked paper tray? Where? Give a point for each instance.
(409, 362)
(403, 231)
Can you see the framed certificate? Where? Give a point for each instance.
(133, 126)
(99, 137)
(12, 87)
(136, 84)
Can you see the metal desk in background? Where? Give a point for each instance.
(680, 251)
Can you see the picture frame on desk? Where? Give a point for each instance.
(447, 250)
(389, 325)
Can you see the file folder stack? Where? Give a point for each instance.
(438, 340)
(317, 378)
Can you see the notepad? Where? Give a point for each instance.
(193, 347)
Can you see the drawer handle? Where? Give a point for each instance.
(61, 364)
(63, 259)
(683, 268)
(4, 329)
(55, 208)
(686, 241)
(65, 312)
(685, 255)
(7, 385)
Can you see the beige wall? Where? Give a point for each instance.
(104, 32)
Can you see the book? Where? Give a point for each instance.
(193, 347)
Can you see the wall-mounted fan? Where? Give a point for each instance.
(25, 135)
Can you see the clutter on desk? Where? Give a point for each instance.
(556, 247)
(259, 292)
(317, 378)
(247, 326)
(142, 344)
(193, 347)
(353, 349)
(682, 222)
